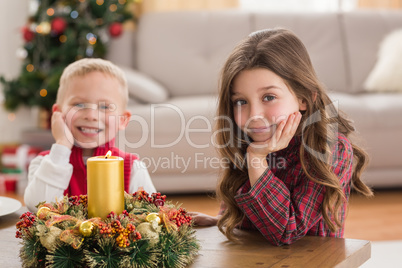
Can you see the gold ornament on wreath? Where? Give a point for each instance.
(150, 232)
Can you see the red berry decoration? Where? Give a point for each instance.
(26, 220)
(115, 29)
(58, 25)
(27, 34)
(180, 218)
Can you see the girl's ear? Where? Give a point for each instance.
(302, 105)
(124, 119)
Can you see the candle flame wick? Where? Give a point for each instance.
(108, 154)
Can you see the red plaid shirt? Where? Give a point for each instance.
(284, 205)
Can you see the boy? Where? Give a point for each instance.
(89, 111)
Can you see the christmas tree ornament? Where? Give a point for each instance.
(74, 14)
(58, 25)
(50, 12)
(115, 29)
(43, 28)
(27, 34)
(153, 217)
(87, 228)
(21, 53)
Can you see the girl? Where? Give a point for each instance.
(291, 164)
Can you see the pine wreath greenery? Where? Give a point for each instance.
(57, 34)
(151, 232)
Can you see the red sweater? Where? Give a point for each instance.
(78, 182)
(284, 205)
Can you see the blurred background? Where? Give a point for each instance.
(24, 118)
(24, 114)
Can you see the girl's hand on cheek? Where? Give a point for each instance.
(285, 131)
(258, 151)
(60, 130)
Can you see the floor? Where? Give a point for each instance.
(385, 254)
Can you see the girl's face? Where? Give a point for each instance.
(93, 109)
(261, 99)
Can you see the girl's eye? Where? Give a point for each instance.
(269, 98)
(239, 102)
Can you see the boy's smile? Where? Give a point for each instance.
(89, 131)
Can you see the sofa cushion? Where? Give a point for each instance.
(176, 133)
(143, 88)
(184, 51)
(364, 31)
(321, 34)
(387, 72)
(377, 118)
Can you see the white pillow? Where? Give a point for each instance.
(387, 72)
(143, 88)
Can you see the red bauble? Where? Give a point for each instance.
(27, 34)
(115, 29)
(58, 25)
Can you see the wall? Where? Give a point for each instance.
(391, 4)
(13, 15)
(174, 5)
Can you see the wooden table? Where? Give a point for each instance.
(253, 251)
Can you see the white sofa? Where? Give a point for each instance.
(174, 60)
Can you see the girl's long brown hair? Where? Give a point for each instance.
(281, 52)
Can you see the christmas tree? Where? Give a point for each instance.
(61, 32)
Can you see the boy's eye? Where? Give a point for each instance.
(104, 107)
(101, 106)
(269, 98)
(107, 107)
(239, 102)
(79, 105)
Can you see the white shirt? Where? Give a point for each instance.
(49, 176)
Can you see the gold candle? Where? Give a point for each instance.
(105, 179)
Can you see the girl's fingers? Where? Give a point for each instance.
(289, 127)
(284, 132)
(296, 122)
(278, 132)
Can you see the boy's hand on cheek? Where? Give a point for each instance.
(60, 130)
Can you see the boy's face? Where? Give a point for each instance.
(93, 109)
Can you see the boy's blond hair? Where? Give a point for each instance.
(87, 65)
